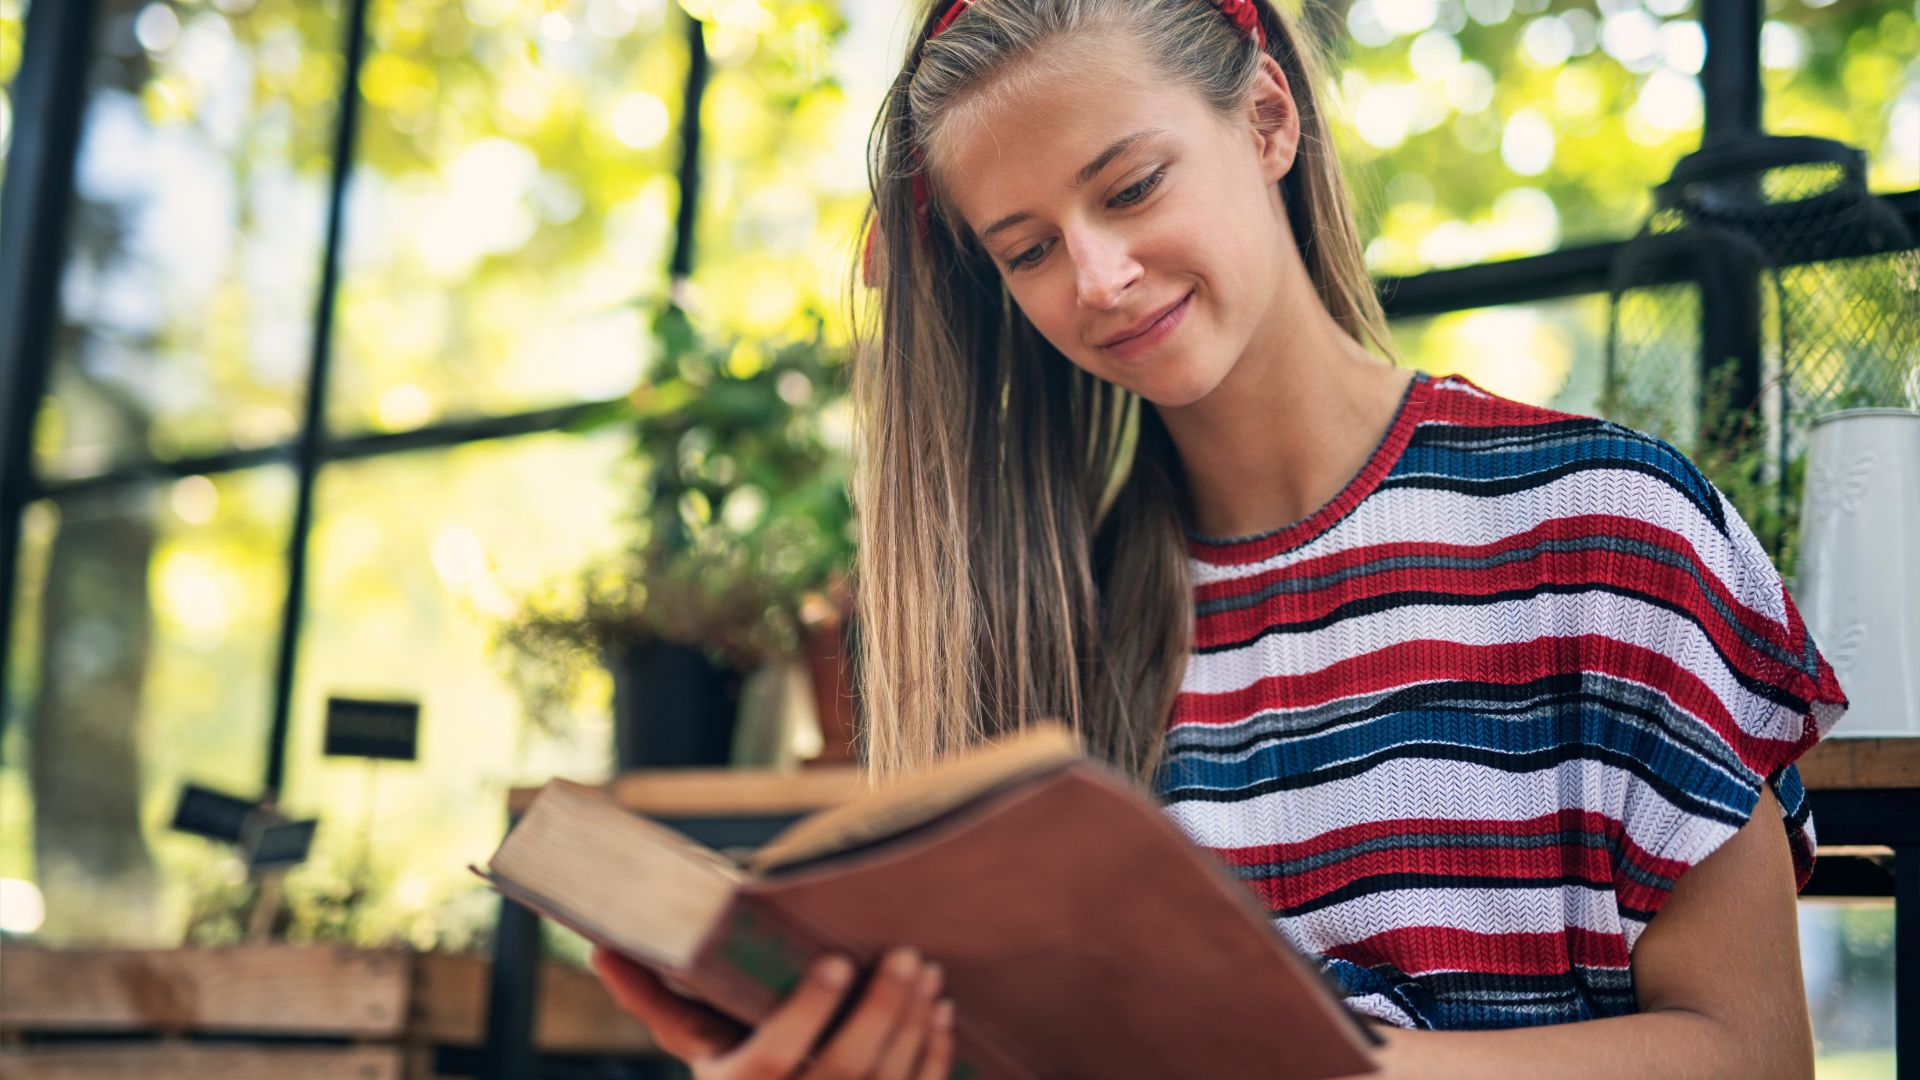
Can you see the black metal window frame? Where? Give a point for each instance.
(49, 92)
(49, 96)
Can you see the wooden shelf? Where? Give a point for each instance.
(682, 793)
(276, 1010)
(1851, 764)
(1833, 765)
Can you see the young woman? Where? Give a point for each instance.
(1467, 691)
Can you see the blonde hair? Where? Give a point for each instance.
(1022, 542)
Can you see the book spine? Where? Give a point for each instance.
(753, 959)
(749, 962)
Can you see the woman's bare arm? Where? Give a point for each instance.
(1716, 974)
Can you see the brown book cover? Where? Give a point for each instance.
(1081, 932)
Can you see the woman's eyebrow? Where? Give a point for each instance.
(1087, 172)
(1120, 146)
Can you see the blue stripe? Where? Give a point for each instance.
(1572, 998)
(1588, 726)
(1606, 445)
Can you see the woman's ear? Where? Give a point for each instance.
(1276, 123)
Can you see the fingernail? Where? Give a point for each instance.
(943, 1014)
(903, 963)
(930, 980)
(834, 971)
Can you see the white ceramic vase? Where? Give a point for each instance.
(1858, 578)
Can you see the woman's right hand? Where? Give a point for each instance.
(896, 1032)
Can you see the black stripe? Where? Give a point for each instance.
(1531, 761)
(1373, 605)
(1523, 698)
(1379, 883)
(1513, 484)
(1458, 983)
(1417, 841)
(1466, 435)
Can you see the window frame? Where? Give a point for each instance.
(49, 97)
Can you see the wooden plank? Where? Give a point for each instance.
(262, 990)
(174, 1061)
(1856, 851)
(1844, 764)
(668, 793)
(575, 1014)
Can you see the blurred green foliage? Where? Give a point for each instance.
(10, 29)
(1739, 459)
(514, 191)
(742, 515)
(1493, 129)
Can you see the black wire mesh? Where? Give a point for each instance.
(1767, 288)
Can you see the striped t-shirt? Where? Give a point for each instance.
(1462, 728)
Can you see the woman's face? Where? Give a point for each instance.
(1109, 202)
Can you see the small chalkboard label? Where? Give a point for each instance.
(212, 814)
(357, 727)
(281, 844)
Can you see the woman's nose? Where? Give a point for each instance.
(1103, 269)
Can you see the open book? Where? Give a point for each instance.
(1082, 934)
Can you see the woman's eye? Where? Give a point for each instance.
(1131, 195)
(1021, 260)
(1139, 191)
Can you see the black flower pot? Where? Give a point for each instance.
(672, 706)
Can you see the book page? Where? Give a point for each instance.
(615, 875)
(916, 799)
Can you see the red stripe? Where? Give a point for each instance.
(1572, 527)
(1659, 580)
(1416, 950)
(1541, 863)
(1467, 410)
(1348, 835)
(1412, 412)
(1413, 829)
(1432, 400)
(1407, 663)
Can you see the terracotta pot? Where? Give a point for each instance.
(829, 656)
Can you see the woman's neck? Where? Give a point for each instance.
(1286, 430)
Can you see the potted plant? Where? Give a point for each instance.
(741, 543)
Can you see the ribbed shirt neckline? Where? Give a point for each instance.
(1240, 549)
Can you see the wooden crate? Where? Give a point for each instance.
(350, 1006)
(576, 1016)
(174, 1061)
(280, 1011)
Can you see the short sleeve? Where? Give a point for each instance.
(1748, 692)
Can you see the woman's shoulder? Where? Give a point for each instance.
(1563, 463)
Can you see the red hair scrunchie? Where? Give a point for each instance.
(1241, 13)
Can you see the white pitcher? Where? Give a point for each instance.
(1858, 578)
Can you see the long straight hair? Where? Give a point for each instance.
(1022, 524)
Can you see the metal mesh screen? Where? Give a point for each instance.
(1767, 288)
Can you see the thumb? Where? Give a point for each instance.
(686, 1029)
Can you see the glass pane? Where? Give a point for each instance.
(1846, 72)
(1659, 363)
(1551, 353)
(513, 196)
(1492, 129)
(418, 559)
(188, 296)
(13, 19)
(149, 621)
(785, 120)
(1846, 959)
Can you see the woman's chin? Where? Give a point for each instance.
(1178, 390)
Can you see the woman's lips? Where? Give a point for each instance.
(1155, 334)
